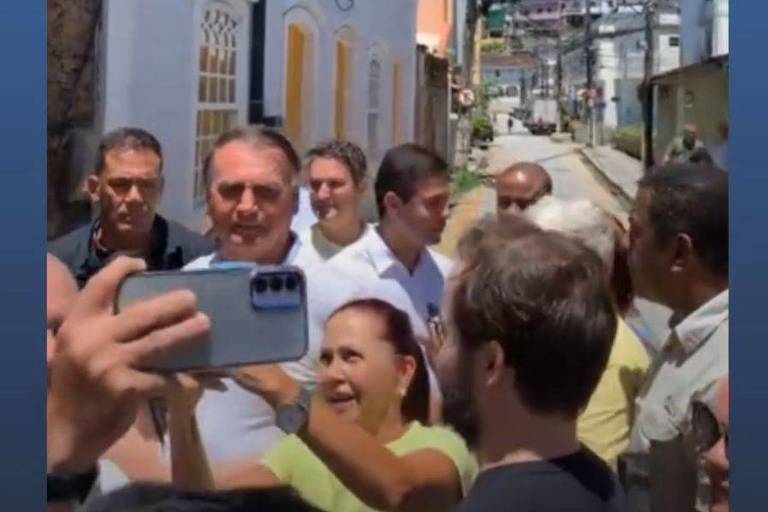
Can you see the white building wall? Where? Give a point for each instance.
(151, 62)
(387, 27)
(704, 29)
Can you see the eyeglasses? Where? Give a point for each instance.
(707, 430)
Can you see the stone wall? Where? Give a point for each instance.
(71, 100)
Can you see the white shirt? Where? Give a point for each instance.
(693, 359)
(304, 217)
(371, 262)
(694, 356)
(236, 424)
(316, 249)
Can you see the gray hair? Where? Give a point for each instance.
(581, 219)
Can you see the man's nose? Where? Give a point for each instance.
(247, 201)
(134, 195)
(324, 192)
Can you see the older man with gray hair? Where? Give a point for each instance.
(605, 425)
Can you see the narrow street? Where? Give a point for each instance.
(572, 178)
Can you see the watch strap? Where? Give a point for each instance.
(67, 487)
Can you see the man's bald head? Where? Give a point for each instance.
(520, 186)
(61, 291)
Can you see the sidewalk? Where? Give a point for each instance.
(618, 169)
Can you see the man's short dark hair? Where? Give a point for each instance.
(257, 136)
(691, 199)
(401, 170)
(346, 153)
(543, 297)
(129, 138)
(149, 497)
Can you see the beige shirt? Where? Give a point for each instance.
(693, 358)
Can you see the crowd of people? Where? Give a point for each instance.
(508, 378)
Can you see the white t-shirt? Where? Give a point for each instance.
(316, 249)
(304, 217)
(371, 262)
(236, 424)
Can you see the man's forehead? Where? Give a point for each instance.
(121, 160)
(238, 161)
(432, 185)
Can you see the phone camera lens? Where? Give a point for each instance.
(260, 285)
(276, 284)
(290, 283)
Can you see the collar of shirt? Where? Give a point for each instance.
(699, 325)
(217, 261)
(382, 256)
(158, 248)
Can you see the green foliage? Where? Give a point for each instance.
(482, 127)
(463, 181)
(493, 46)
(629, 140)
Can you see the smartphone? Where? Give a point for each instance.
(258, 315)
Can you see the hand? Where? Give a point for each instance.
(96, 383)
(269, 381)
(185, 389)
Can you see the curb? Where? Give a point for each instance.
(614, 187)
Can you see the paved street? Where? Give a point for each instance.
(572, 177)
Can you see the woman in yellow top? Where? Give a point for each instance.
(366, 444)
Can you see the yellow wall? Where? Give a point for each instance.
(293, 88)
(396, 103)
(343, 52)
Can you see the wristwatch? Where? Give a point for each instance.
(68, 487)
(293, 416)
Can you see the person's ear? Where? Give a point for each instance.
(406, 367)
(683, 252)
(392, 203)
(93, 188)
(491, 360)
(362, 186)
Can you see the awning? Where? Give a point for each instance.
(672, 75)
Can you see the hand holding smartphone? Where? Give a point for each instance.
(258, 315)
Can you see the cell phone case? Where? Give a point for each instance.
(274, 328)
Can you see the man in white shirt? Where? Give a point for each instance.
(412, 193)
(337, 185)
(679, 258)
(251, 179)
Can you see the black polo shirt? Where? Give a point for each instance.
(172, 247)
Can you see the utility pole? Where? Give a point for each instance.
(588, 57)
(559, 75)
(648, 159)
